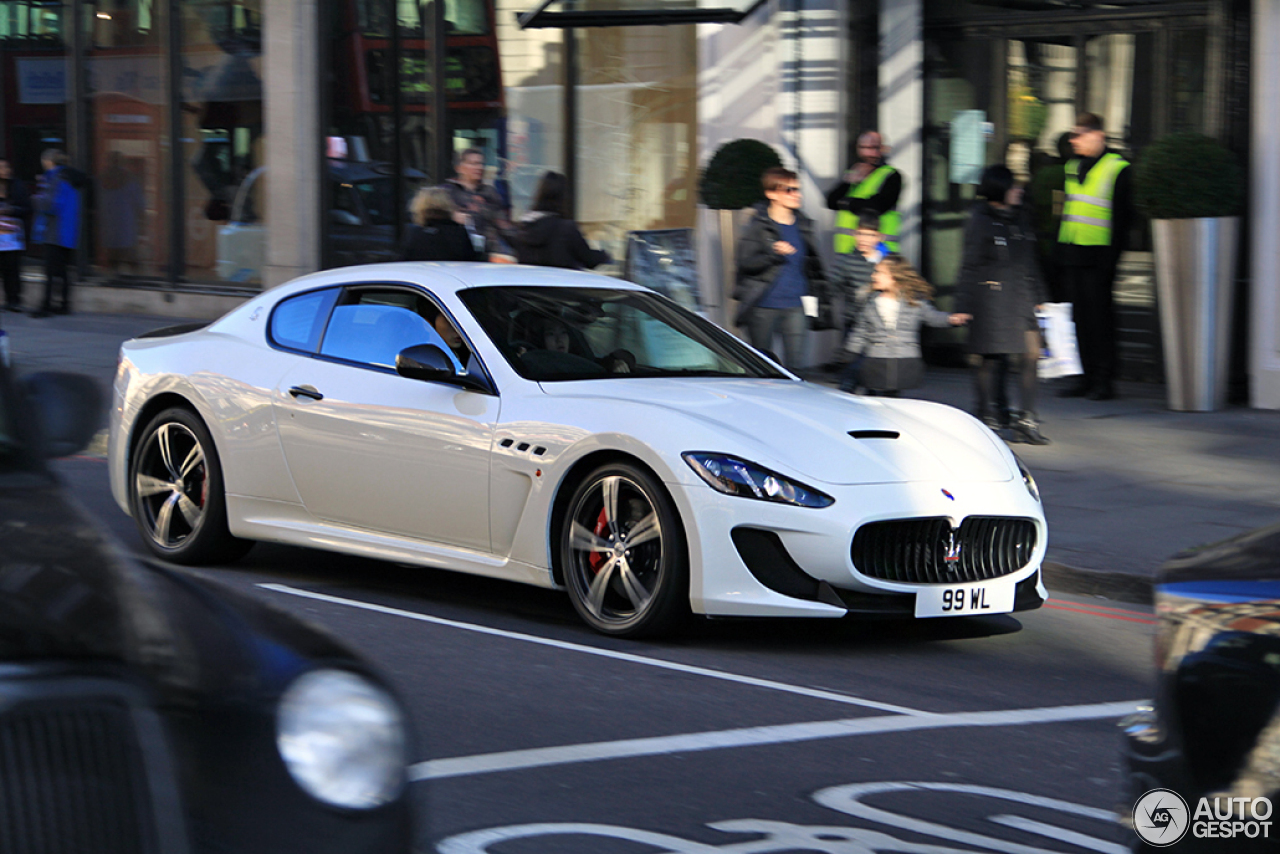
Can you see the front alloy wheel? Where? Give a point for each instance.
(623, 553)
(175, 487)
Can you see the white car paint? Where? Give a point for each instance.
(414, 471)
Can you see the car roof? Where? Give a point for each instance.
(454, 276)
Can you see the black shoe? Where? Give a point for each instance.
(41, 312)
(1076, 389)
(13, 306)
(1028, 430)
(65, 309)
(1102, 392)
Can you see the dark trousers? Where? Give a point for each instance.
(791, 322)
(57, 264)
(11, 271)
(1092, 309)
(990, 378)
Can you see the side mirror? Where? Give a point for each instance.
(67, 409)
(429, 362)
(425, 362)
(341, 217)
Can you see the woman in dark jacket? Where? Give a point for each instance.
(435, 235)
(778, 264)
(547, 237)
(1000, 288)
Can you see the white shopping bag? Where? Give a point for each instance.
(1059, 356)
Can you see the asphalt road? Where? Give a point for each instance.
(537, 735)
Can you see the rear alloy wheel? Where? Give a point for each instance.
(623, 553)
(175, 489)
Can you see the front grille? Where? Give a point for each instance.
(72, 779)
(915, 551)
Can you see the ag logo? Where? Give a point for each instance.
(1161, 818)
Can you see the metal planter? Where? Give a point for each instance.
(1195, 283)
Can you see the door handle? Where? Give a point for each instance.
(306, 391)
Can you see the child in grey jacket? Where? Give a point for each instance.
(887, 334)
(852, 280)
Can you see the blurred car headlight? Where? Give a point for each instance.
(1027, 480)
(734, 476)
(342, 738)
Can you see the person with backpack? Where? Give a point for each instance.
(58, 209)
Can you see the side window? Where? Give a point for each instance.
(298, 321)
(370, 326)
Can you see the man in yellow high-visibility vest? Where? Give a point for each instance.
(869, 185)
(1095, 222)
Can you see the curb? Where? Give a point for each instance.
(1119, 586)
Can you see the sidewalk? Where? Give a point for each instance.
(1126, 483)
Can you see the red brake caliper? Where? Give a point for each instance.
(596, 559)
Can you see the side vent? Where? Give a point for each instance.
(874, 434)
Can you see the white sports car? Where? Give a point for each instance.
(566, 430)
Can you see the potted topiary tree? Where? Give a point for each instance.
(731, 182)
(1192, 188)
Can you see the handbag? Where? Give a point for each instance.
(1060, 356)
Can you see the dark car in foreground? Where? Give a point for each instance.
(1213, 732)
(146, 710)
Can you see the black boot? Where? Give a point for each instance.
(1027, 428)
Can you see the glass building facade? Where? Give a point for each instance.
(160, 103)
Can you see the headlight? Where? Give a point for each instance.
(733, 476)
(342, 738)
(1027, 480)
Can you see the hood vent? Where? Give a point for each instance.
(874, 434)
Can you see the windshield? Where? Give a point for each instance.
(550, 334)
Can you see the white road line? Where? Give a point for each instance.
(1061, 834)
(753, 737)
(605, 653)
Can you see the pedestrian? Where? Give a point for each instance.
(1095, 222)
(15, 203)
(58, 226)
(852, 280)
(999, 290)
(887, 335)
(869, 184)
(778, 264)
(479, 206)
(435, 235)
(548, 237)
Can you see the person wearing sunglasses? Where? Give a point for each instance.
(778, 266)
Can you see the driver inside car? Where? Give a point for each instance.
(451, 336)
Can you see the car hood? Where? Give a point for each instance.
(820, 434)
(69, 594)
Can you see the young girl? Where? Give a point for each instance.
(887, 334)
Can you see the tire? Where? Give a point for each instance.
(623, 555)
(176, 492)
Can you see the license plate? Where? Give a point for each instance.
(960, 600)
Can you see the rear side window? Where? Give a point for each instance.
(298, 322)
